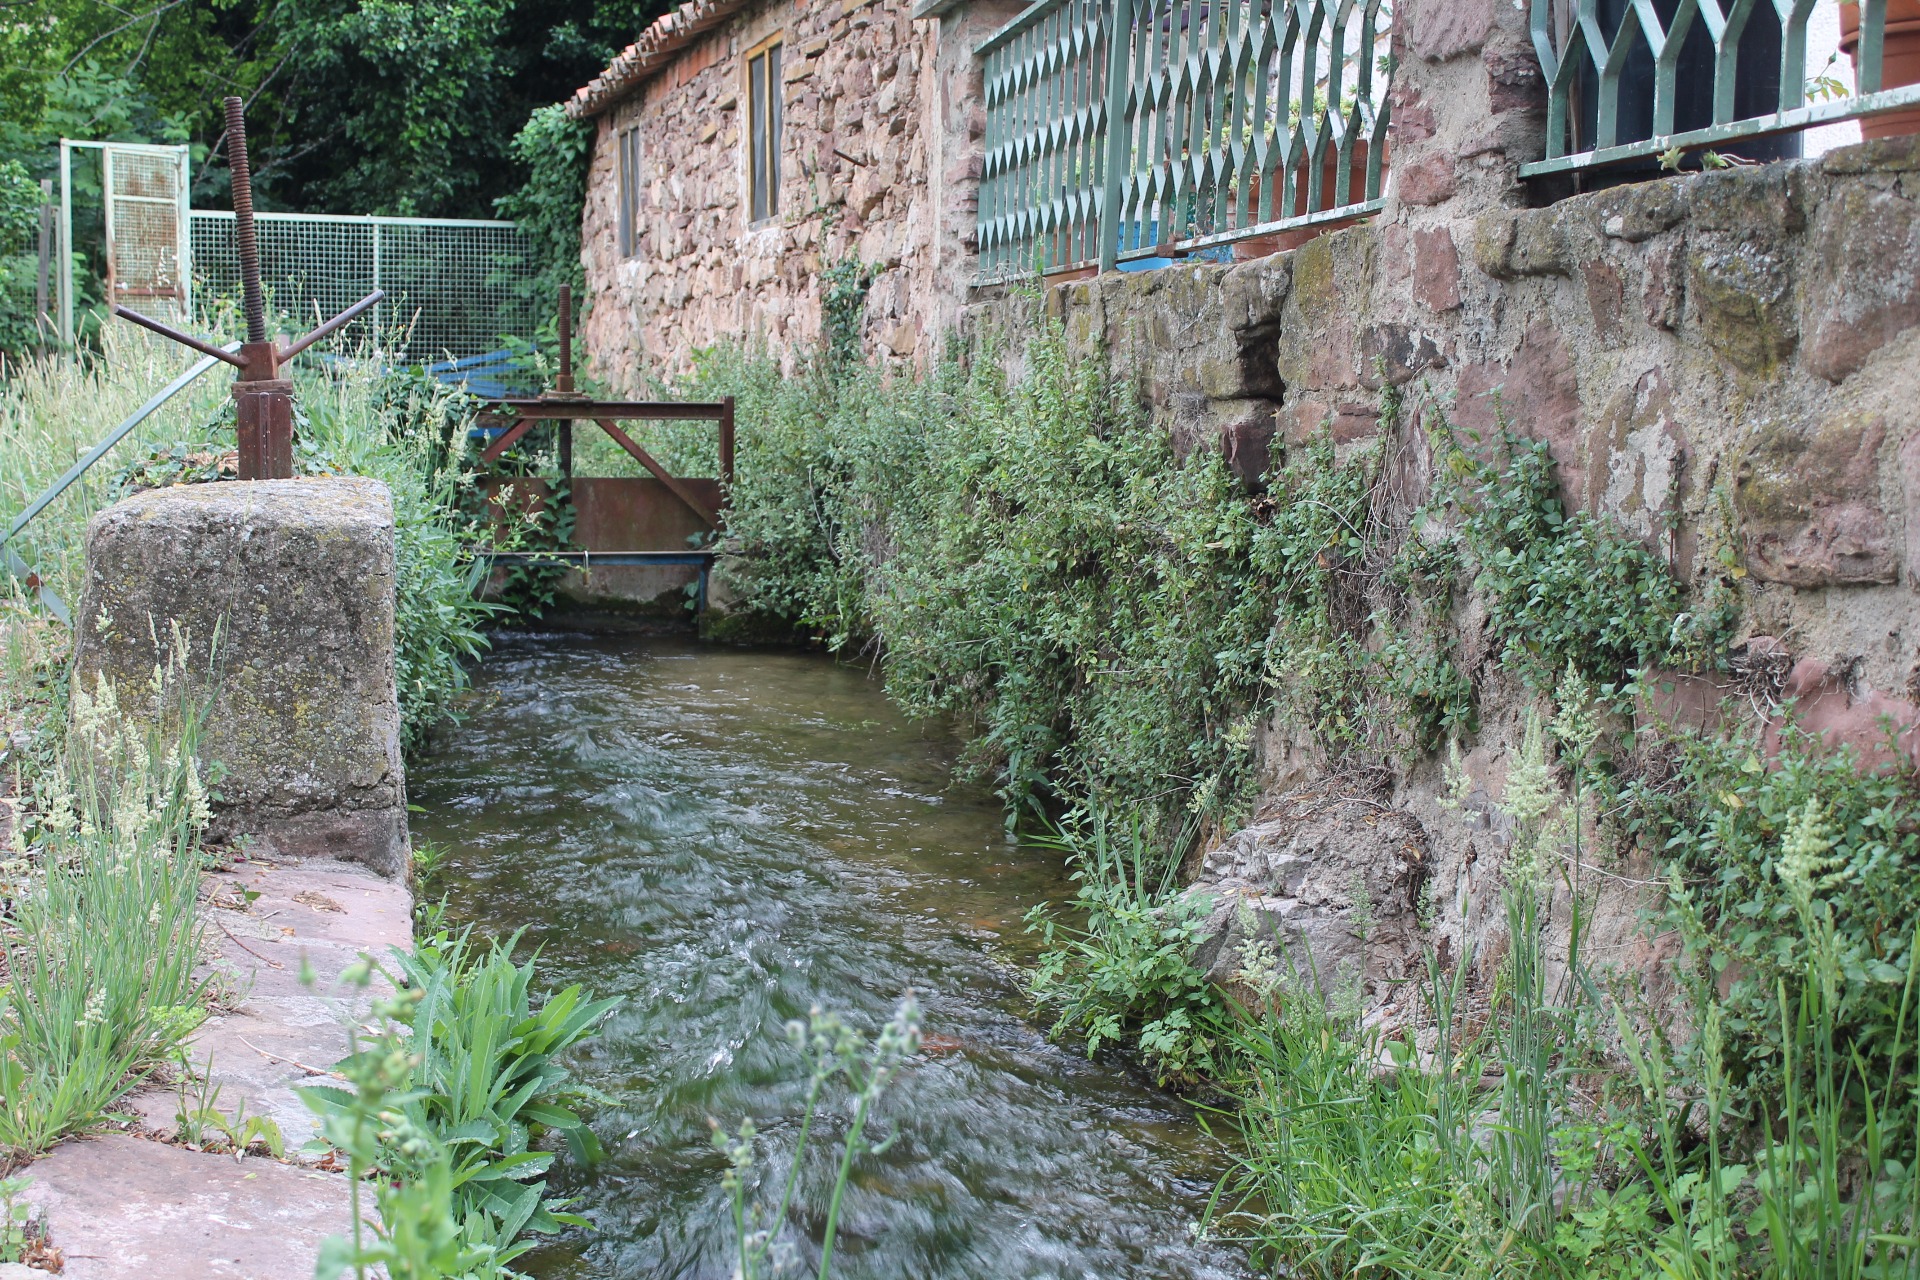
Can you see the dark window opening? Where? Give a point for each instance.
(630, 186)
(763, 134)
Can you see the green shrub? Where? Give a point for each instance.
(1563, 588)
(556, 149)
(1361, 650)
(1124, 977)
(478, 1080)
(1725, 821)
(1033, 558)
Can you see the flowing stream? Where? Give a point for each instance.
(728, 838)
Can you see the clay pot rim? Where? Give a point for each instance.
(1909, 24)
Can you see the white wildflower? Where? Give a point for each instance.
(1576, 726)
(1260, 970)
(1530, 792)
(1804, 867)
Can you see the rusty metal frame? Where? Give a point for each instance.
(565, 406)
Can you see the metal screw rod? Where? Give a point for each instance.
(253, 305)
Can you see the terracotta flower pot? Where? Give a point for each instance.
(1899, 62)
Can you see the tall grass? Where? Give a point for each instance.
(1516, 1147)
(54, 408)
(103, 878)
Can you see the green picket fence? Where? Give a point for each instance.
(1631, 79)
(1126, 129)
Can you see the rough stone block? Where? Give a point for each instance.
(1839, 711)
(1883, 155)
(1445, 29)
(1863, 288)
(1810, 506)
(1301, 879)
(1743, 294)
(296, 579)
(1533, 243)
(1436, 269)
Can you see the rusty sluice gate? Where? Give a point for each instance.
(633, 522)
(619, 521)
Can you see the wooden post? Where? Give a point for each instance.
(726, 443)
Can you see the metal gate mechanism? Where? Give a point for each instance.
(263, 400)
(631, 522)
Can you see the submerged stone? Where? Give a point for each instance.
(270, 605)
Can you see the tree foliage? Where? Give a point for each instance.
(406, 107)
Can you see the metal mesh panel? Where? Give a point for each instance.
(1247, 119)
(145, 204)
(454, 289)
(1046, 140)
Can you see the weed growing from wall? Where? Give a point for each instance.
(1566, 588)
(1362, 652)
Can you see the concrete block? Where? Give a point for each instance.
(281, 594)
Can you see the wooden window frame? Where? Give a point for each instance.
(763, 91)
(627, 185)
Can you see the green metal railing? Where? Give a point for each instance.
(1236, 119)
(1587, 49)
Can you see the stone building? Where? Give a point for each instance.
(746, 152)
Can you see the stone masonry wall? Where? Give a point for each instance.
(1753, 329)
(880, 160)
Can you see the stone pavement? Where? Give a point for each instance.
(136, 1208)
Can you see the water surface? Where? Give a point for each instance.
(730, 838)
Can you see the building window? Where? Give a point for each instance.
(630, 179)
(763, 132)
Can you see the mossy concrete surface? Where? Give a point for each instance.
(273, 604)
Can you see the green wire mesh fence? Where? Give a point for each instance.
(455, 289)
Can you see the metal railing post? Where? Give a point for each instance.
(66, 242)
(1116, 152)
(43, 291)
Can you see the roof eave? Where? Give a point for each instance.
(646, 57)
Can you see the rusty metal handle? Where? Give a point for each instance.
(332, 326)
(204, 347)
